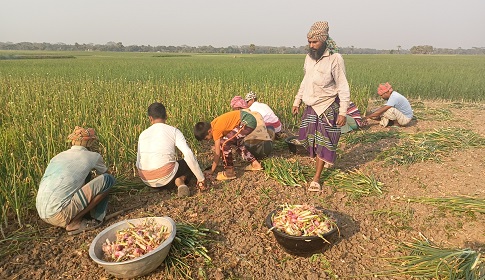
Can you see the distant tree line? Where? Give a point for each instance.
(245, 49)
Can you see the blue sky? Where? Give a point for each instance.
(375, 24)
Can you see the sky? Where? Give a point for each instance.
(376, 24)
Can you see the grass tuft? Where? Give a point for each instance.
(397, 219)
(423, 112)
(432, 145)
(455, 204)
(16, 240)
(360, 137)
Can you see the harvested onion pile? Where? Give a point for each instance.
(135, 241)
(303, 220)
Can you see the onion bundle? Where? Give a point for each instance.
(303, 220)
(135, 241)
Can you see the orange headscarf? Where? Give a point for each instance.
(383, 88)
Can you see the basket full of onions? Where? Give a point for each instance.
(302, 229)
(134, 247)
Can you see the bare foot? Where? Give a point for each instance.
(73, 225)
(256, 164)
(230, 172)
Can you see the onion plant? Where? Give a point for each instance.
(43, 99)
(425, 260)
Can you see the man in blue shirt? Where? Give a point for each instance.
(67, 194)
(397, 108)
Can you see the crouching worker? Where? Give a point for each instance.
(228, 130)
(397, 108)
(354, 119)
(260, 141)
(66, 194)
(157, 159)
(269, 117)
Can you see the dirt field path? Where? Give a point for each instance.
(370, 227)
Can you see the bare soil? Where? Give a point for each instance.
(237, 209)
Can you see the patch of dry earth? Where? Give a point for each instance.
(244, 250)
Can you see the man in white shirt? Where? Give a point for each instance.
(156, 160)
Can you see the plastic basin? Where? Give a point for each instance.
(301, 245)
(294, 148)
(137, 266)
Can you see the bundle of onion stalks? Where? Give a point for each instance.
(288, 172)
(456, 204)
(432, 146)
(355, 182)
(188, 244)
(422, 259)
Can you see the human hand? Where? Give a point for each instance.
(341, 120)
(294, 110)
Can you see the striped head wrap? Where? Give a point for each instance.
(83, 137)
(250, 95)
(319, 31)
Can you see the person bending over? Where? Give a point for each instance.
(260, 141)
(228, 130)
(269, 117)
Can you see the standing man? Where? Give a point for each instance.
(397, 107)
(325, 93)
(156, 159)
(67, 194)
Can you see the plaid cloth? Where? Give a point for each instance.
(85, 137)
(354, 112)
(320, 134)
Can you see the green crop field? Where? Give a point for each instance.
(44, 98)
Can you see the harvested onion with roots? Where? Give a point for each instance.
(303, 220)
(135, 241)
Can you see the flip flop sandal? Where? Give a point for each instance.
(314, 187)
(183, 191)
(251, 168)
(86, 225)
(221, 176)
